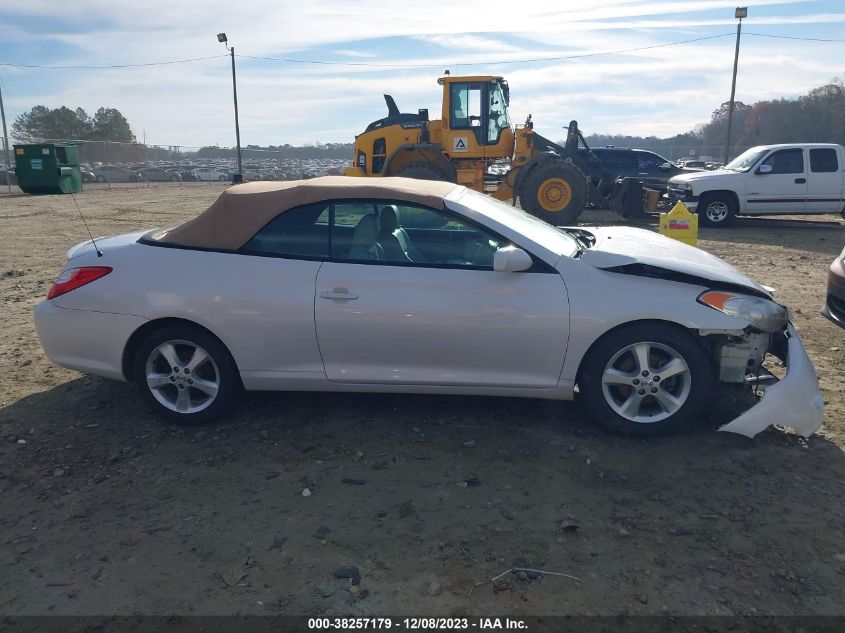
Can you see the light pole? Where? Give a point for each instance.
(221, 37)
(739, 13)
(6, 145)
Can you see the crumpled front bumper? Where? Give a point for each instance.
(795, 401)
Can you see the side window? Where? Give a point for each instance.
(355, 231)
(649, 162)
(786, 161)
(410, 234)
(379, 155)
(616, 160)
(823, 160)
(299, 232)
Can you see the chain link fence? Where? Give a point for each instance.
(107, 164)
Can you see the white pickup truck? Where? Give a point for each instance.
(767, 180)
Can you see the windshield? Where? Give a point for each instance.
(532, 228)
(746, 160)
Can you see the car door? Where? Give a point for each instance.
(446, 319)
(779, 184)
(825, 181)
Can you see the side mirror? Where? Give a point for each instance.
(666, 166)
(764, 169)
(511, 259)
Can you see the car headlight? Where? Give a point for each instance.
(762, 313)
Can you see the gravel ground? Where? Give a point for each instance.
(110, 511)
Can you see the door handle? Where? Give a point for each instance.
(800, 181)
(338, 294)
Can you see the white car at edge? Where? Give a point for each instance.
(397, 285)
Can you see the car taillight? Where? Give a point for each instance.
(76, 278)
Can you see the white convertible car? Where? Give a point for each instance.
(396, 285)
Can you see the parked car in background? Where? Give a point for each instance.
(7, 177)
(209, 173)
(157, 174)
(694, 164)
(184, 173)
(88, 175)
(834, 308)
(653, 170)
(805, 178)
(112, 173)
(325, 285)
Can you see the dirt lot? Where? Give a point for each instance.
(109, 511)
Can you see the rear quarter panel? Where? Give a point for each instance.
(261, 308)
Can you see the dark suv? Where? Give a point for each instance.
(652, 169)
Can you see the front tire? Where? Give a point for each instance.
(555, 192)
(716, 210)
(186, 375)
(645, 380)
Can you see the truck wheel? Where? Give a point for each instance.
(716, 210)
(555, 192)
(421, 171)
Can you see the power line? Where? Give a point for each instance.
(408, 65)
(790, 37)
(487, 63)
(174, 61)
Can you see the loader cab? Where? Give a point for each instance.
(476, 112)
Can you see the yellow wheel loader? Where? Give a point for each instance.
(473, 144)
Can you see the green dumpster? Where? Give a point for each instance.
(48, 168)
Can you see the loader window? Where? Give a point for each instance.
(498, 119)
(465, 105)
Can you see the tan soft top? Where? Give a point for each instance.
(242, 210)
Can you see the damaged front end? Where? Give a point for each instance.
(794, 401)
(756, 325)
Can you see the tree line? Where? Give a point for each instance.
(815, 117)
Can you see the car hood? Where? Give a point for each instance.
(638, 251)
(704, 175)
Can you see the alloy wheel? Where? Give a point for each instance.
(646, 382)
(182, 376)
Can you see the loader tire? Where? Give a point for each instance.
(555, 192)
(421, 171)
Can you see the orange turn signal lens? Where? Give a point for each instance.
(716, 299)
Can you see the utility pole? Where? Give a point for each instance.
(739, 13)
(221, 37)
(6, 145)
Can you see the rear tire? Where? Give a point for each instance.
(421, 171)
(186, 375)
(555, 192)
(716, 210)
(622, 388)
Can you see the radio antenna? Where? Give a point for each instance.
(96, 248)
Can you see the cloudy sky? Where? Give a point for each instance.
(385, 46)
